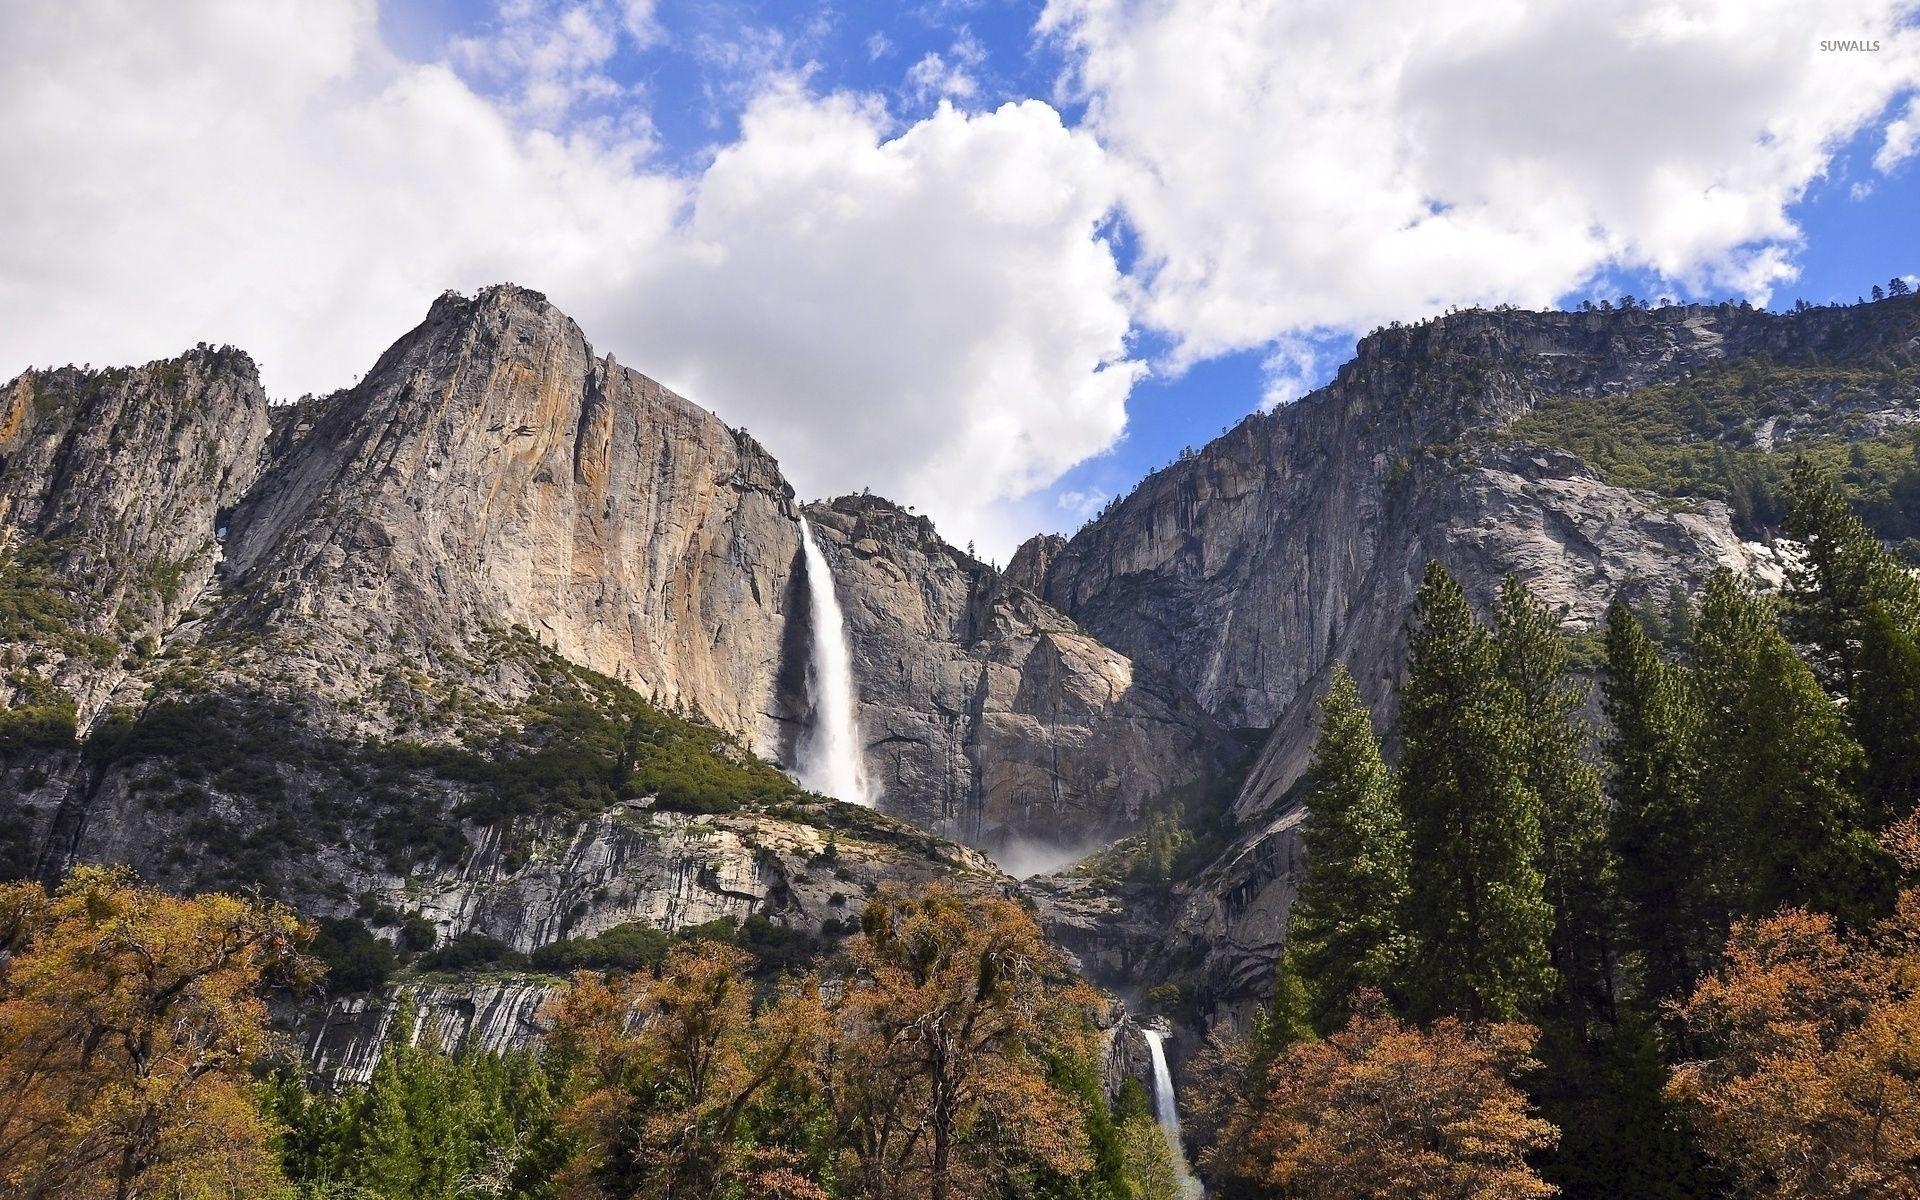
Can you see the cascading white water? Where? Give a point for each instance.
(829, 754)
(1168, 1110)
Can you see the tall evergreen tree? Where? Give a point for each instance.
(1885, 712)
(1344, 933)
(1778, 763)
(1475, 912)
(1841, 573)
(1858, 608)
(1566, 783)
(1671, 888)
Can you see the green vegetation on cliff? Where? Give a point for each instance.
(1731, 431)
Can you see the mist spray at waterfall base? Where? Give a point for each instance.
(1167, 1108)
(829, 751)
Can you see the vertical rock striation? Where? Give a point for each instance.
(989, 715)
(491, 472)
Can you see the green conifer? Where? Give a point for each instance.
(1777, 765)
(1842, 572)
(1670, 882)
(1566, 783)
(1344, 932)
(1858, 609)
(1475, 913)
(1885, 713)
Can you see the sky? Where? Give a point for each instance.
(995, 259)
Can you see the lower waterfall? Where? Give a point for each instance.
(1167, 1108)
(829, 751)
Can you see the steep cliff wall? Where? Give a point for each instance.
(365, 668)
(986, 713)
(490, 472)
(1296, 541)
(112, 486)
(1289, 541)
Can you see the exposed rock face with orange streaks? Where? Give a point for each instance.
(491, 472)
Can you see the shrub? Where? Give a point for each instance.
(417, 933)
(629, 947)
(472, 951)
(357, 960)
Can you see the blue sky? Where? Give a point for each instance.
(995, 258)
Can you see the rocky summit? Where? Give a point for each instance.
(508, 645)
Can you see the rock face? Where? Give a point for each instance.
(987, 714)
(112, 490)
(342, 1044)
(1297, 539)
(490, 472)
(318, 646)
(308, 646)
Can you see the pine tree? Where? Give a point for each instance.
(1842, 572)
(1885, 713)
(1475, 911)
(1286, 1020)
(1343, 934)
(1671, 887)
(1566, 782)
(1852, 601)
(1777, 763)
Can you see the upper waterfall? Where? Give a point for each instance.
(829, 754)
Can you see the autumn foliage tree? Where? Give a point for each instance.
(1812, 1084)
(129, 1021)
(940, 1082)
(1383, 1108)
(933, 1061)
(681, 1088)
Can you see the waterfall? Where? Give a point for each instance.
(829, 751)
(1168, 1110)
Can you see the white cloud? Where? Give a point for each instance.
(933, 77)
(1079, 504)
(1291, 369)
(553, 57)
(951, 75)
(930, 309)
(927, 310)
(642, 23)
(1319, 163)
(1902, 139)
(932, 314)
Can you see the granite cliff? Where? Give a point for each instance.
(1246, 569)
(113, 490)
(501, 644)
(988, 714)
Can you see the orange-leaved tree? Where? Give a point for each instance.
(129, 1021)
(1383, 1108)
(951, 1016)
(681, 1087)
(1813, 1087)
